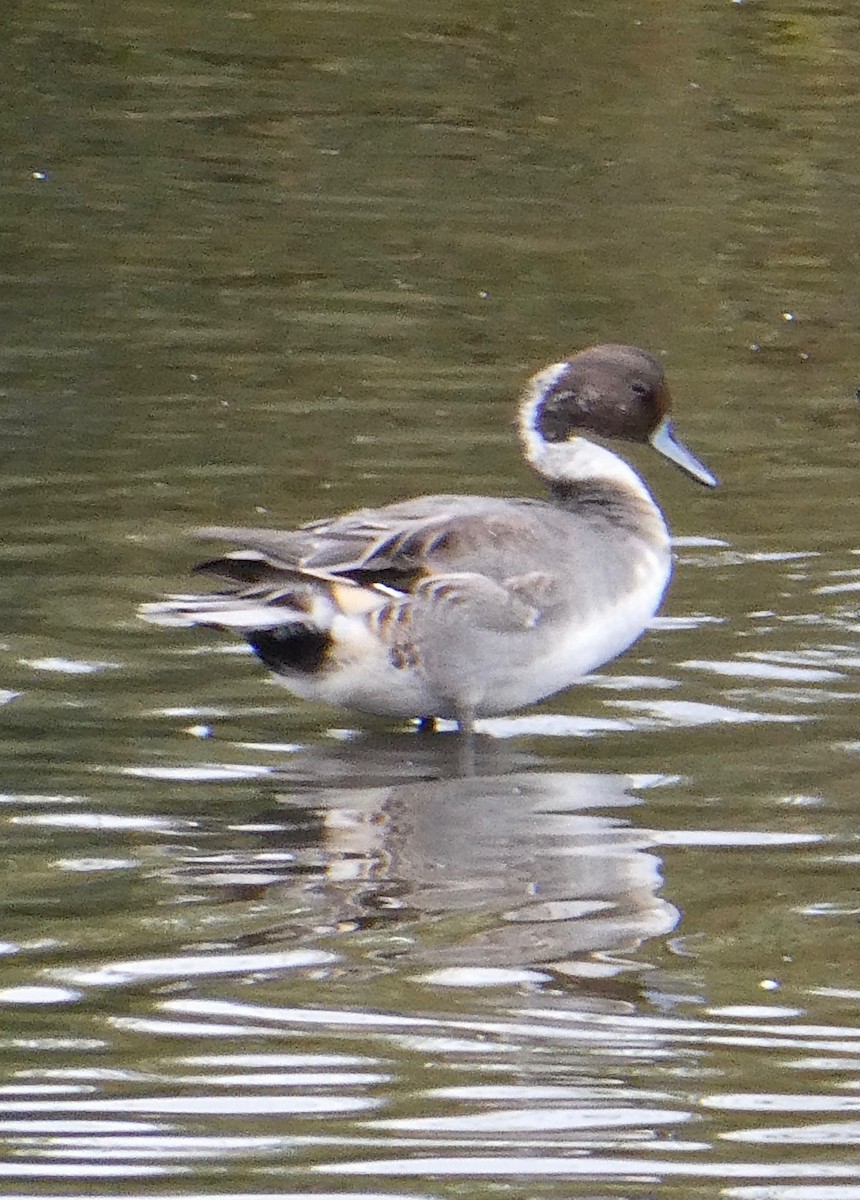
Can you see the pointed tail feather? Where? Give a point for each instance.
(221, 612)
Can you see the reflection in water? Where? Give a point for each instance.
(376, 846)
(285, 996)
(495, 870)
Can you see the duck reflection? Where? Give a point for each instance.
(509, 867)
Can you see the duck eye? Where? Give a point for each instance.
(640, 390)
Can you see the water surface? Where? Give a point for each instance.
(267, 262)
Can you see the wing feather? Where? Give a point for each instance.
(396, 546)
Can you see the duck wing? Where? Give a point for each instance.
(396, 546)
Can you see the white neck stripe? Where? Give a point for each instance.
(577, 459)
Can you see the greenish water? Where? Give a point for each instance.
(262, 263)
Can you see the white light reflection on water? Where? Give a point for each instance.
(122, 973)
(616, 1167)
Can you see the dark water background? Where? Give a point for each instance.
(265, 261)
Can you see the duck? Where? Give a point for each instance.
(459, 607)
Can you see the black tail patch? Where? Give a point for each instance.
(290, 648)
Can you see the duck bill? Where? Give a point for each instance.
(664, 441)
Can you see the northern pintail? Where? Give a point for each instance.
(466, 606)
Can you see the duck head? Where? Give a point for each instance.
(608, 391)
